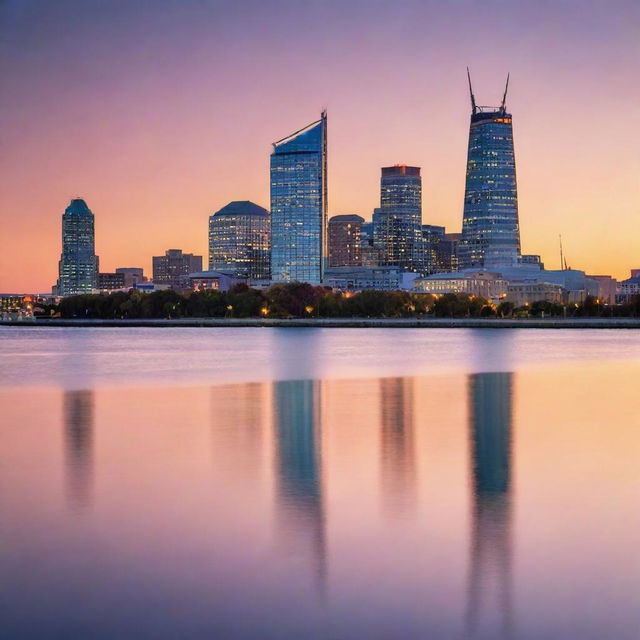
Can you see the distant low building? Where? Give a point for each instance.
(528, 292)
(607, 288)
(628, 288)
(487, 284)
(132, 276)
(174, 267)
(361, 278)
(110, 281)
(150, 287)
(213, 280)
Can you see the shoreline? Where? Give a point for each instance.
(341, 323)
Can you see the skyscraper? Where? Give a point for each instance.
(490, 229)
(397, 230)
(78, 266)
(299, 204)
(345, 248)
(240, 240)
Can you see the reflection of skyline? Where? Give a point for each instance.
(398, 464)
(297, 429)
(489, 587)
(78, 447)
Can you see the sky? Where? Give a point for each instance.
(160, 112)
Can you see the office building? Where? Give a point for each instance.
(132, 276)
(174, 268)
(629, 288)
(486, 284)
(397, 223)
(432, 236)
(78, 266)
(490, 227)
(529, 291)
(447, 252)
(240, 240)
(110, 281)
(213, 280)
(299, 205)
(607, 288)
(369, 253)
(361, 278)
(345, 238)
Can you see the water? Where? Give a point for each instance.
(282, 483)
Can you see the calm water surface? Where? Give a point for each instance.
(310, 483)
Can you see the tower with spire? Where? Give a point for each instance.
(490, 226)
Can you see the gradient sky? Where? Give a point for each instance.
(159, 112)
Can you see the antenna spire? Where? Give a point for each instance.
(473, 99)
(503, 106)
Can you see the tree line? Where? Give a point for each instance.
(302, 300)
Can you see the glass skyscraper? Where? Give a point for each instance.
(397, 223)
(490, 228)
(239, 240)
(78, 266)
(299, 205)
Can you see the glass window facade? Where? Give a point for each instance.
(78, 266)
(490, 227)
(397, 223)
(240, 240)
(299, 205)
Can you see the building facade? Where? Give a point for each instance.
(490, 226)
(78, 266)
(110, 281)
(345, 241)
(397, 223)
(447, 252)
(528, 292)
(240, 240)
(489, 285)
(213, 280)
(361, 278)
(132, 276)
(174, 268)
(299, 205)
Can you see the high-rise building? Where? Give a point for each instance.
(447, 252)
(240, 240)
(490, 228)
(78, 266)
(174, 267)
(345, 248)
(368, 251)
(432, 235)
(132, 276)
(397, 223)
(299, 205)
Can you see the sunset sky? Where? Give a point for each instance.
(159, 112)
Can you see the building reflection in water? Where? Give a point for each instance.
(489, 605)
(78, 445)
(398, 464)
(297, 416)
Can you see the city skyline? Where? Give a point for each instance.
(153, 160)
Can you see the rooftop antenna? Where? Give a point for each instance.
(503, 106)
(473, 99)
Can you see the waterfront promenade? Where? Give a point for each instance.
(343, 323)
